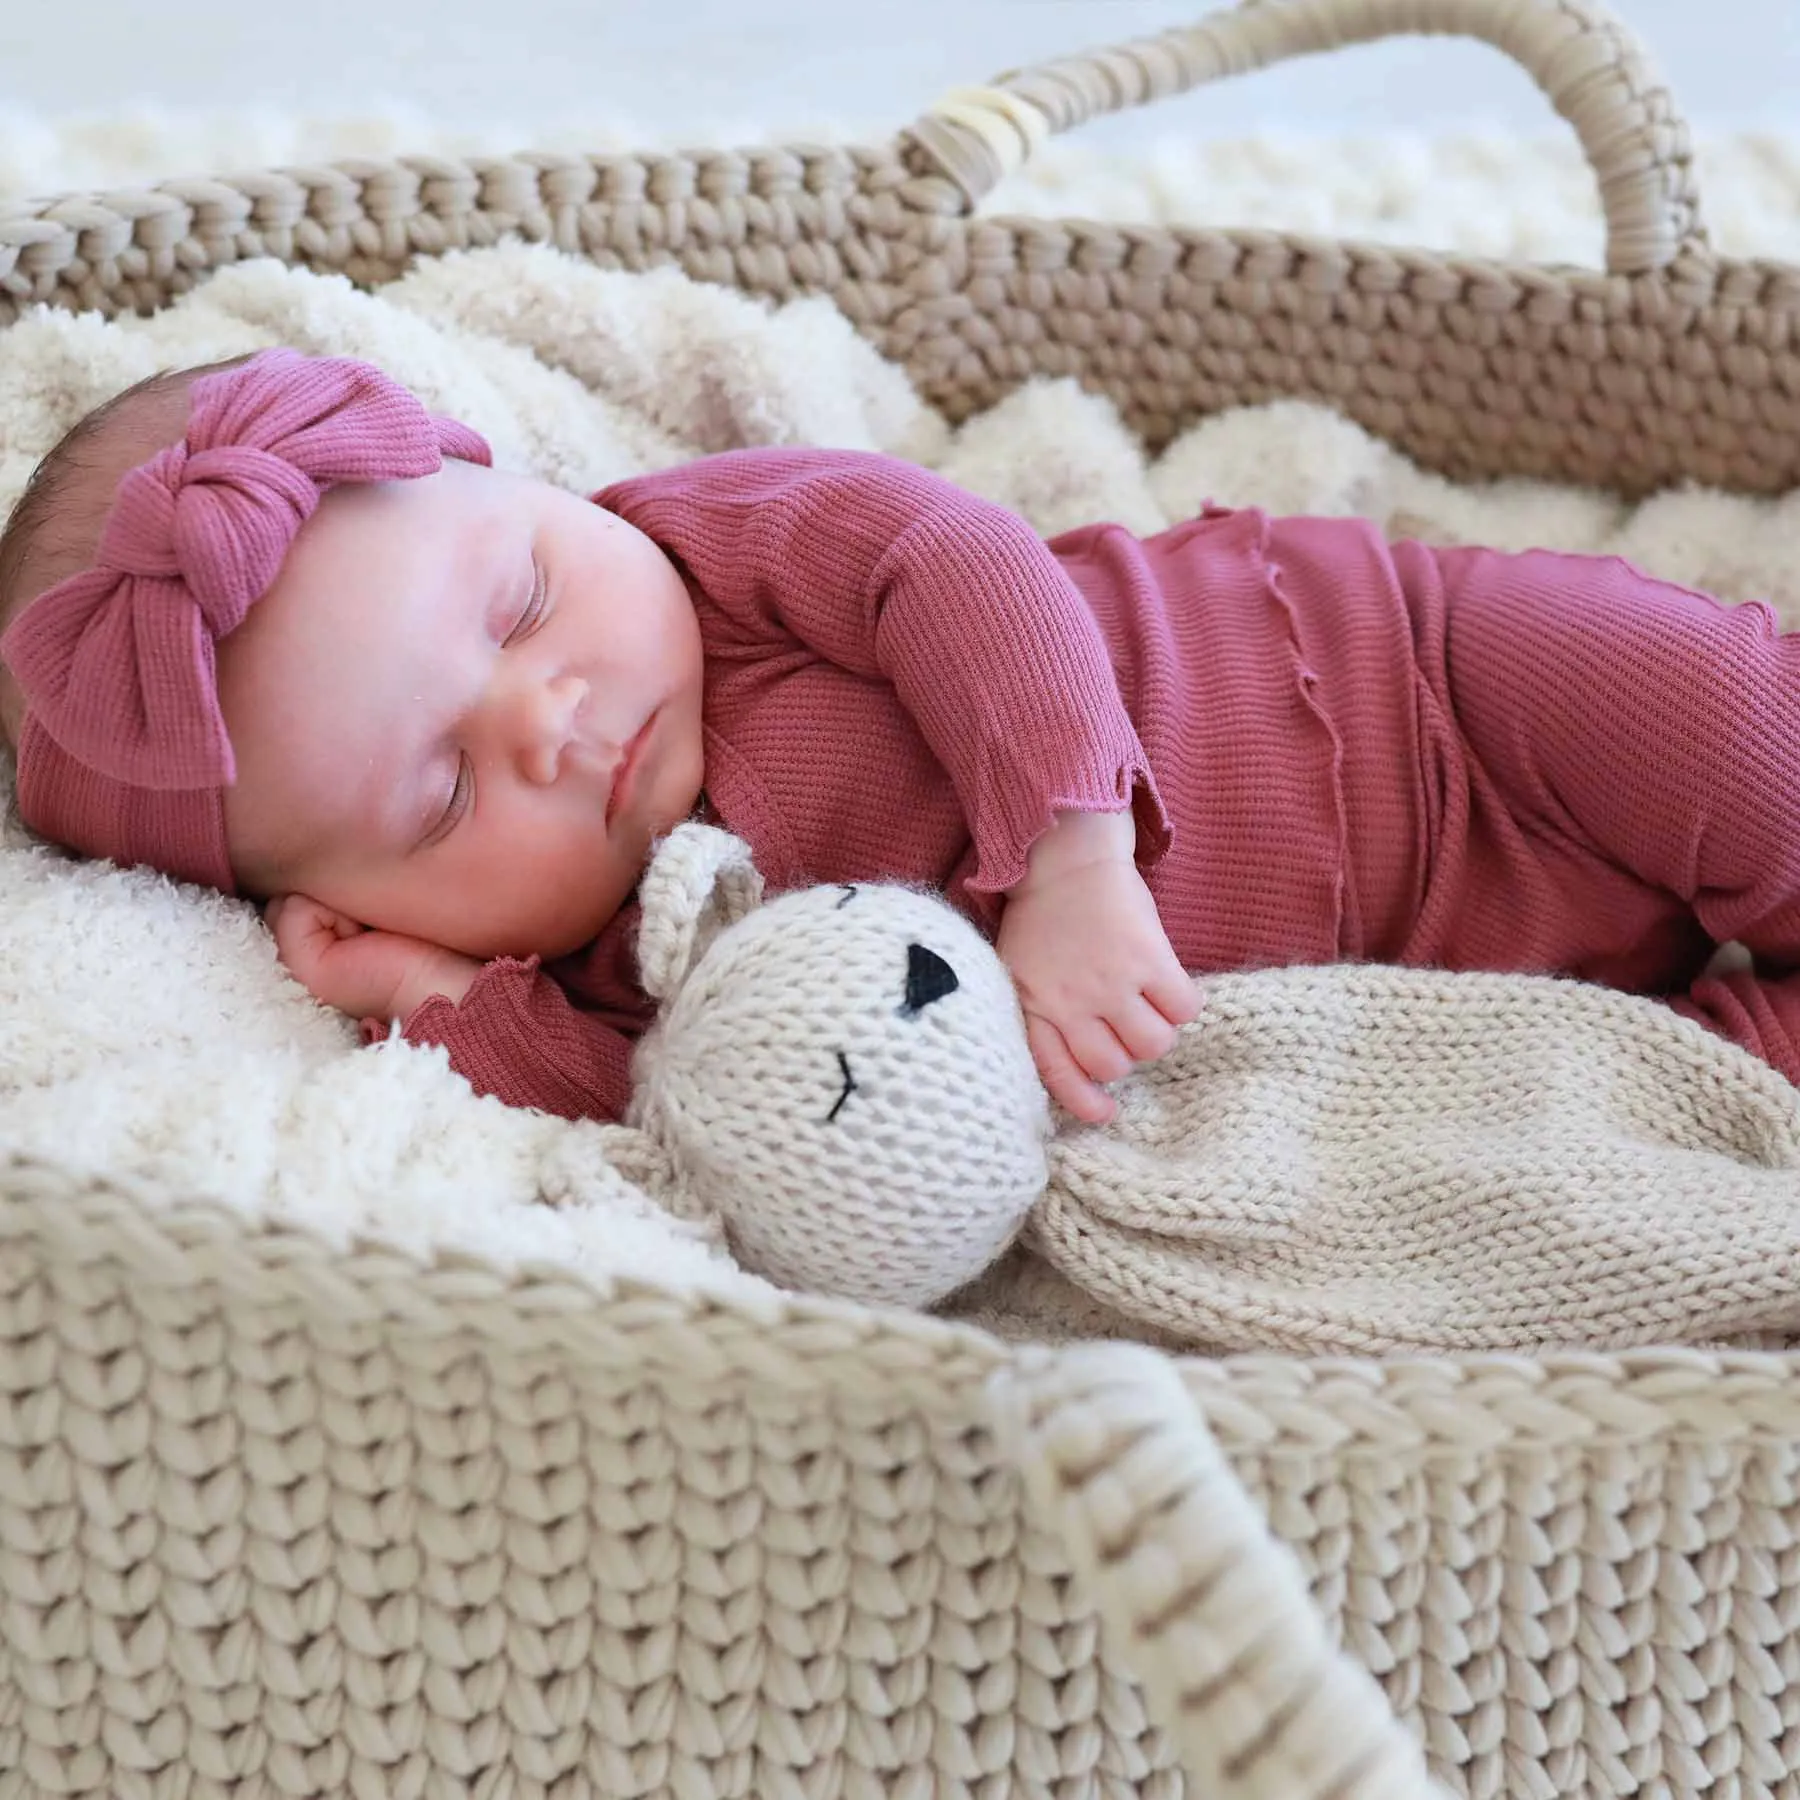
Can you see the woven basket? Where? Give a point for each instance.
(1673, 365)
(280, 1520)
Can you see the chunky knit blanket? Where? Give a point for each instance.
(1579, 1167)
(1372, 1160)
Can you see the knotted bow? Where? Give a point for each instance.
(117, 663)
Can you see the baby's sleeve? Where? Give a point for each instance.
(1759, 1013)
(896, 575)
(517, 1036)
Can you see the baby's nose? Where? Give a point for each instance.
(546, 726)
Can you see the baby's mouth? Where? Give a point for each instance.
(625, 774)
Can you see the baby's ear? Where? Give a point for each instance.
(699, 881)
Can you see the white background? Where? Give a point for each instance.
(713, 69)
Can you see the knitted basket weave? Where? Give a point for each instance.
(277, 1520)
(1674, 364)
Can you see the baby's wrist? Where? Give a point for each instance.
(444, 975)
(1078, 840)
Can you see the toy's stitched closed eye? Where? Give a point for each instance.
(837, 1106)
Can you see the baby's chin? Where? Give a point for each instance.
(553, 940)
(547, 944)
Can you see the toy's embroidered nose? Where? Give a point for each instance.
(928, 978)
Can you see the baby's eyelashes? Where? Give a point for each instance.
(537, 605)
(455, 807)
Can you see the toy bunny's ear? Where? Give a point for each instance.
(699, 881)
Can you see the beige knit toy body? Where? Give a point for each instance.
(1331, 1159)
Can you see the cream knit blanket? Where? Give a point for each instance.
(1373, 1159)
(146, 1029)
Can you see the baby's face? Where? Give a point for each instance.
(463, 712)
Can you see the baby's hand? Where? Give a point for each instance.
(1101, 986)
(368, 974)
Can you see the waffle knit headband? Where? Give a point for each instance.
(124, 752)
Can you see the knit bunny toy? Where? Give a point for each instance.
(840, 1076)
(1344, 1159)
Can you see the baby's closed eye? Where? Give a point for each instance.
(535, 609)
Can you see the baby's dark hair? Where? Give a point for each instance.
(52, 531)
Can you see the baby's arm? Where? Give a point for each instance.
(516, 1035)
(510, 1031)
(897, 575)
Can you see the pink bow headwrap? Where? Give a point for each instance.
(124, 752)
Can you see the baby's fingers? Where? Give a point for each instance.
(1098, 1052)
(301, 928)
(1176, 996)
(1063, 1076)
(295, 918)
(1143, 1029)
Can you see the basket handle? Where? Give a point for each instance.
(1197, 1598)
(1590, 66)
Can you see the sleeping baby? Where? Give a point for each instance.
(272, 627)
